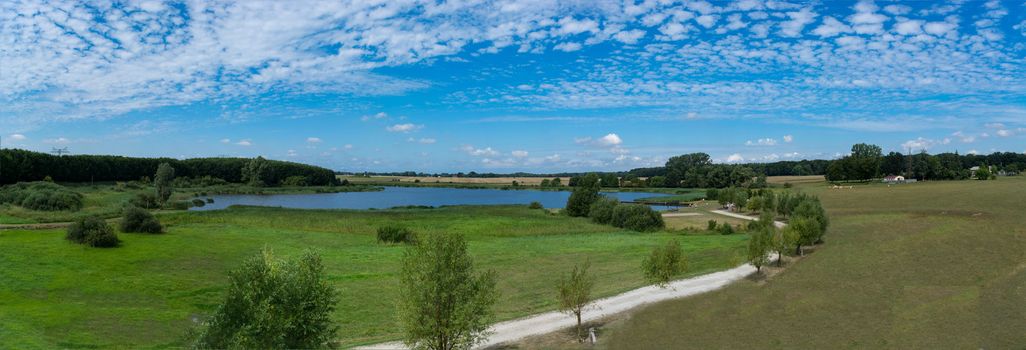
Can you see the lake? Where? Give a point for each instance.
(403, 196)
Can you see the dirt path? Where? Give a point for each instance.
(510, 331)
(745, 217)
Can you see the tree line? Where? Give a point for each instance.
(866, 162)
(18, 165)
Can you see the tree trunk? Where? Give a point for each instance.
(780, 258)
(578, 326)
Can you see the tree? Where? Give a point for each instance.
(664, 262)
(783, 240)
(254, 171)
(556, 182)
(601, 210)
(656, 181)
(274, 304)
(759, 245)
(575, 292)
(443, 303)
(610, 180)
(983, 173)
(583, 196)
(162, 180)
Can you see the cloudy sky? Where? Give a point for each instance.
(511, 85)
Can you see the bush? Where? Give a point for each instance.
(198, 202)
(181, 205)
(94, 232)
(637, 217)
(274, 304)
(295, 181)
(210, 200)
(535, 205)
(712, 225)
(664, 263)
(726, 229)
(396, 234)
(44, 196)
(139, 220)
(145, 200)
(601, 210)
(712, 194)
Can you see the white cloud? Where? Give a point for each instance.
(292, 153)
(707, 21)
(629, 36)
(788, 138)
(798, 21)
(938, 28)
(762, 142)
(1004, 133)
(379, 115)
(519, 154)
(17, 137)
(423, 141)
(831, 27)
(313, 140)
(478, 152)
(568, 47)
(735, 158)
(58, 141)
(908, 27)
(226, 141)
(244, 143)
(919, 144)
(963, 137)
(610, 140)
(404, 128)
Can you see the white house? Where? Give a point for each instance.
(894, 179)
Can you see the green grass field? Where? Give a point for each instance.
(150, 291)
(918, 266)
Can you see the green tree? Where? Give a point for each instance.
(759, 245)
(865, 160)
(556, 182)
(274, 304)
(583, 196)
(664, 262)
(656, 181)
(601, 211)
(983, 173)
(254, 172)
(162, 180)
(610, 180)
(575, 292)
(443, 303)
(783, 240)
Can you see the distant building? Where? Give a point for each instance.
(894, 179)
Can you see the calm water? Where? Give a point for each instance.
(401, 196)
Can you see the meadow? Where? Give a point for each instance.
(928, 265)
(152, 290)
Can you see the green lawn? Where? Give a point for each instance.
(917, 266)
(151, 290)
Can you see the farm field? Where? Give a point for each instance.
(528, 181)
(794, 179)
(927, 265)
(154, 288)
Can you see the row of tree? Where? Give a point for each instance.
(18, 165)
(866, 162)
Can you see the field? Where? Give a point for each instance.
(794, 180)
(152, 290)
(698, 217)
(927, 265)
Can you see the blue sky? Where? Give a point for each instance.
(517, 85)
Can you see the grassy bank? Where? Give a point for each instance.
(148, 292)
(107, 199)
(926, 265)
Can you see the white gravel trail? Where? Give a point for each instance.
(548, 322)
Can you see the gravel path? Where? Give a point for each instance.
(509, 331)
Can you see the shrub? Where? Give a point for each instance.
(295, 181)
(664, 262)
(712, 225)
(94, 232)
(44, 196)
(145, 200)
(139, 220)
(601, 210)
(274, 304)
(712, 194)
(396, 234)
(198, 202)
(637, 217)
(726, 229)
(210, 200)
(181, 205)
(535, 205)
